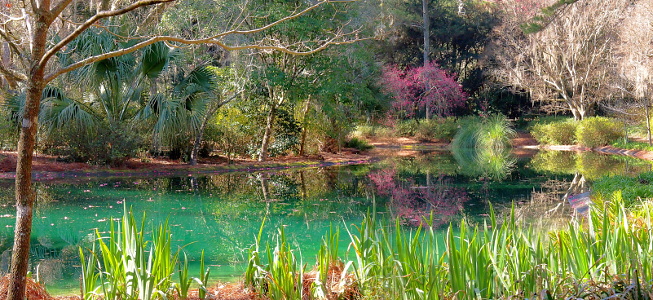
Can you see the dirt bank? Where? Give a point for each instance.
(49, 168)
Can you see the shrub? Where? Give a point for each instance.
(359, 144)
(441, 129)
(598, 131)
(555, 133)
(99, 145)
(406, 127)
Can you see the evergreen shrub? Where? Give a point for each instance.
(555, 133)
(598, 131)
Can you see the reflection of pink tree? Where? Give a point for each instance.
(427, 88)
(414, 204)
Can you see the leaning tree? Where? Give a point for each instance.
(34, 35)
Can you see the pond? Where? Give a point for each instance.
(222, 213)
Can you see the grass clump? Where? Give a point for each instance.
(598, 131)
(491, 132)
(495, 132)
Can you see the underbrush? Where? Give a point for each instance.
(437, 129)
(358, 144)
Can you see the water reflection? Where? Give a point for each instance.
(491, 163)
(590, 165)
(222, 213)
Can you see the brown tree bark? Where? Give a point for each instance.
(302, 144)
(25, 195)
(647, 111)
(265, 143)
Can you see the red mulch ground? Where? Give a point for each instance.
(48, 163)
(222, 291)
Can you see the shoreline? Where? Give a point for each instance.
(49, 169)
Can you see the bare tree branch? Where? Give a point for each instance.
(35, 6)
(14, 75)
(10, 41)
(56, 11)
(153, 40)
(99, 16)
(284, 19)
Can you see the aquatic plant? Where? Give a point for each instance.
(128, 266)
(607, 254)
(282, 276)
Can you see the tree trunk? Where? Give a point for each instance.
(25, 196)
(262, 156)
(647, 111)
(194, 153)
(427, 34)
(302, 144)
(576, 112)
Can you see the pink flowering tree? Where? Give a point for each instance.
(428, 89)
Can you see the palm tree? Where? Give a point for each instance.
(191, 104)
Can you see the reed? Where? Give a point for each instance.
(128, 266)
(608, 254)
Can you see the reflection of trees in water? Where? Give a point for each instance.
(414, 203)
(590, 165)
(547, 207)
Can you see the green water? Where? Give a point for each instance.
(221, 214)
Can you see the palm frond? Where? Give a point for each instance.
(155, 60)
(58, 111)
